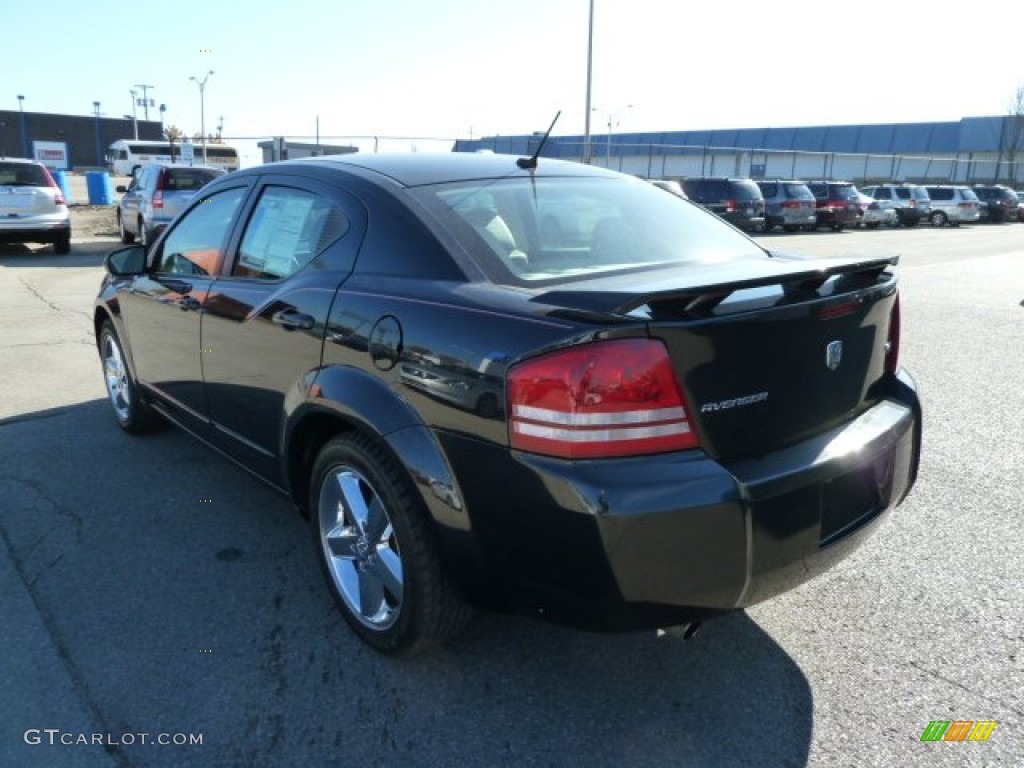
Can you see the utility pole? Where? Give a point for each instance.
(145, 98)
(135, 120)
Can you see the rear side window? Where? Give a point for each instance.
(288, 229)
(881, 193)
(768, 188)
(940, 193)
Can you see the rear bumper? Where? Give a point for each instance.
(660, 540)
(14, 231)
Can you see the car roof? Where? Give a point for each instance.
(20, 160)
(181, 165)
(417, 169)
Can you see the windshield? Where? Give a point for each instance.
(522, 230)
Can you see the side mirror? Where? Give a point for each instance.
(126, 262)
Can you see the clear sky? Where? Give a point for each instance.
(454, 68)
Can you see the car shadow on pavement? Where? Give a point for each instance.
(83, 254)
(182, 596)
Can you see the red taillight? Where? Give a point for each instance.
(790, 203)
(965, 205)
(59, 198)
(161, 185)
(892, 340)
(730, 206)
(609, 398)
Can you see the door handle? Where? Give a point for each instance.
(178, 286)
(291, 320)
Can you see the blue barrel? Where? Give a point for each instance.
(61, 179)
(101, 190)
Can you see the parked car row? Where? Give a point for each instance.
(792, 204)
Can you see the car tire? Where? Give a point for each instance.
(132, 414)
(872, 224)
(126, 237)
(62, 245)
(938, 219)
(377, 550)
(791, 227)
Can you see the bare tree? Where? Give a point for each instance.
(173, 134)
(1011, 137)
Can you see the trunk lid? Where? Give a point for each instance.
(767, 352)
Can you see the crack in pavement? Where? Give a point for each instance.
(963, 687)
(55, 307)
(62, 649)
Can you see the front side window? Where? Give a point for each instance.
(195, 245)
(526, 230)
(288, 229)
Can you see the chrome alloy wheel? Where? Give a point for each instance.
(360, 548)
(115, 372)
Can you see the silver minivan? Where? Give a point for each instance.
(788, 204)
(157, 194)
(910, 201)
(953, 205)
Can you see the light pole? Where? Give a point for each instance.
(202, 109)
(163, 108)
(24, 133)
(590, 64)
(99, 143)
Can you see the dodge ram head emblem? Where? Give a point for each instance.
(834, 354)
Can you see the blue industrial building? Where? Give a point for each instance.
(968, 150)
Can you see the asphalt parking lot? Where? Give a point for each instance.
(149, 587)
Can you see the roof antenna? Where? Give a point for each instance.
(531, 162)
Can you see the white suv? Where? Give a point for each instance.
(953, 205)
(32, 207)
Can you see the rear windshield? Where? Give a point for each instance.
(22, 175)
(798, 191)
(524, 231)
(842, 192)
(745, 190)
(189, 178)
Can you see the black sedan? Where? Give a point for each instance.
(533, 386)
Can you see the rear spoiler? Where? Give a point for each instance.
(696, 299)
